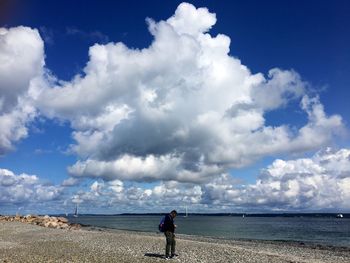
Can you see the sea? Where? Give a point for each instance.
(320, 230)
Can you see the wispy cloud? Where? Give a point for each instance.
(47, 35)
(91, 36)
(42, 151)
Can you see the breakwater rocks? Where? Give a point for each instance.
(45, 221)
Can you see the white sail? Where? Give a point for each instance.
(76, 211)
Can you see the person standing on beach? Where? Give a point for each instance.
(169, 229)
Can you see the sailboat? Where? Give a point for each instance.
(186, 215)
(76, 211)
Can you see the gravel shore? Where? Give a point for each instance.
(21, 242)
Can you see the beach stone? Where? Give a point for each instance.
(75, 226)
(37, 220)
(62, 219)
(53, 224)
(64, 226)
(30, 220)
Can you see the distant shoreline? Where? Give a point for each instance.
(328, 215)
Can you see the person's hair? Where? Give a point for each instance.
(174, 211)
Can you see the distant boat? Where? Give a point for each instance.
(186, 215)
(339, 216)
(76, 211)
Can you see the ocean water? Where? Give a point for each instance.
(324, 230)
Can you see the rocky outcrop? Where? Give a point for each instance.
(45, 221)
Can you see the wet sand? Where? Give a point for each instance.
(21, 242)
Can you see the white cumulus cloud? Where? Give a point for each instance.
(182, 109)
(321, 182)
(24, 189)
(21, 67)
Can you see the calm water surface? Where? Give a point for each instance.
(326, 231)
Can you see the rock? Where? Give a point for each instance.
(44, 221)
(62, 219)
(30, 220)
(37, 220)
(74, 226)
(53, 224)
(64, 226)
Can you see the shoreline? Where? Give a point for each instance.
(21, 242)
(309, 244)
(309, 231)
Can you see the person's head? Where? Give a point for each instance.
(173, 213)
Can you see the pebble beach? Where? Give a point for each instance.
(21, 242)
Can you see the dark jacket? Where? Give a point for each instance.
(169, 224)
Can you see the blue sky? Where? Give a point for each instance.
(186, 114)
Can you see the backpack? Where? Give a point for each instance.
(161, 224)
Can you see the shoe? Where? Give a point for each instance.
(174, 255)
(167, 257)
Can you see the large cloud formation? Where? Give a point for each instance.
(21, 67)
(182, 109)
(321, 182)
(182, 112)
